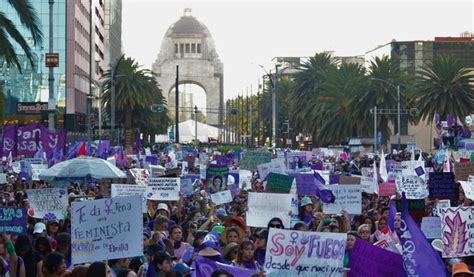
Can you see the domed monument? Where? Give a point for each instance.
(189, 44)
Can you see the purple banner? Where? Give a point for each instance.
(204, 268)
(12, 220)
(305, 184)
(27, 140)
(368, 260)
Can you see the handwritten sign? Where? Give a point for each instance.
(222, 197)
(13, 220)
(298, 253)
(275, 166)
(164, 189)
(49, 203)
(431, 227)
(366, 259)
(279, 183)
(441, 185)
(264, 206)
(458, 231)
(387, 189)
(36, 170)
(468, 188)
(463, 170)
(413, 186)
(414, 168)
(120, 190)
(252, 159)
(348, 197)
(140, 175)
(106, 229)
(187, 186)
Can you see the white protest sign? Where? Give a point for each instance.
(458, 231)
(140, 175)
(221, 197)
(16, 167)
(413, 186)
(36, 170)
(106, 229)
(431, 227)
(348, 197)
(3, 178)
(187, 186)
(164, 189)
(468, 188)
(367, 184)
(414, 168)
(445, 203)
(275, 166)
(471, 179)
(264, 206)
(120, 190)
(298, 253)
(245, 178)
(48, 203)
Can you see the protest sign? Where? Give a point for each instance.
(458, 231)
(221, 197)
(348, 197)
(13, 220)
(264, 206)
(106, 229)
(463, 170)
(279, 183)
(251, 159)
(366, 259)
(245, 178)
(120, 190)
(348, 180)
(140, 175)
(471, 178)
(36, 170)
(325, 174)
(3, 178)
(431, 227)
(414, 168)
(49, 203)
(164, 189)
(468, 188)
(387, 189)
(217, 176)
(441, 185)
(275, 166)
(413, 186)
(298, 253)
(187, 186)
(296, 160)
(446, 203)
(368, 184)
(416, 208)
(305, 183)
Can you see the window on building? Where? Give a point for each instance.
(187, 48)
(193, 48)
(176, 49)
(199, 48)
(181, 48)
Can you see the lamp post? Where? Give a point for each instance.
(112, 99)
(195, 126)
(397, 89)
(51, 100)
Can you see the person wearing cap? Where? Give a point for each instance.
(39, 230)
(183, 268)
(176, 237)
(306, 210)
(462, 270)
(162, 263)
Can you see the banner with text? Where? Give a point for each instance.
(49, 203)
(413, 186)
(120, 190)
(13, 220)
(348, 197)
(264, 206)
(275, 166)
(222, 197)
(441, 185)
(164, 189)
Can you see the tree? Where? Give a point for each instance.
(10, 34)
(444, 87)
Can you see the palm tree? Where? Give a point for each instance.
(135, 88)
(10, 33)
(444, 87)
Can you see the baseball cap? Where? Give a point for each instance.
(162, 256)
(39, 228)
(183, 268)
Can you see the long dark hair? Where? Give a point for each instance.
(276, 219)
(242, 246)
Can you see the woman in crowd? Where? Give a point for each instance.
(245, 256)
(176, 237)
(55, 266)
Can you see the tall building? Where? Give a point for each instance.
(113, 31)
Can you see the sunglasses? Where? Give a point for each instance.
(275, 226)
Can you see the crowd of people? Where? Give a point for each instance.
(177, 233)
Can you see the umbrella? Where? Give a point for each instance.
(82, 167)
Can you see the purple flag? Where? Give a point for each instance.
(9, 140)
(419, 257)
(323, 192)
(72, 151)
(88, 149)
(153, 160)
(204, 268)
(102, 149)
(39, 154)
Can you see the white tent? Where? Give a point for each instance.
(186, 132)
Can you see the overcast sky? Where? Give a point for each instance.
(248, 33)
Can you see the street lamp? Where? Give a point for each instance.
(397, 88)
(195, 125)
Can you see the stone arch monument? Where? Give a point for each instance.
(189, 44)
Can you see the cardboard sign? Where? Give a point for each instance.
(305, 184)
(298, 253)
(187, 186)
(348, 180)
(366, 259)
(431, 227)
(275, 166)
(222, 197)
(164, 189)
(463, 170)
(441, 185)
(49, 203)
(279, 183)
(468, 188)
(458, 231)
(106, 229)
(414, 168)
(413, 186)
(387, 189)
(264, 206)
(13, 220)
(120, 190)
(348, 197)
(252, 159)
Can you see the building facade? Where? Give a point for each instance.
(113, 31)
